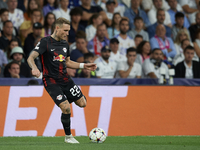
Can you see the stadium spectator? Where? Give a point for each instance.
(89, 57)
(4, 17)
(91, 29)
(32, 4)
(81, 49)
(143, 52)
(88, 11)
(179, 24)
(124, 40)
(129, 68)
(197, 41)
(181, 35)
(3, 62)
(114, 29)
(162, 42)
(17, 55)
(3, 4)
(13, 43)
(48, 22)
(22, 4)
(49, 6)
(75, 26)
(153, 12)
(188, 68)
(106, 68)
(110, 8)
(99, 41)
(138, 39)
(160, 20)
(74, 3)
(189, 6)
(14, 70)
(151, 66)
(115, 54)
(148, 4)
(180, 54)
(193, 28)
(134, 11)
(30, 39)
(7, 35)
(15, 15)
(63, 10)
(119, 7)
(27, 26)
(33, 82)
(174, 9)
(84, 73)
(139, 25)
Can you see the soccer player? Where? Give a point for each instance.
(55, 58)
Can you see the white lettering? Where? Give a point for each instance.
(107, 93)
(14, 112)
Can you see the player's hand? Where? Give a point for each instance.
(90, 66)
(36, 73)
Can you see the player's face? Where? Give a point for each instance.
(4, 16)
(189, 54)
(124, 26)
(172, 3)
(131, 56)
(161, 17)
(105, 55)
(63, 31)
(14, 69)
(157, 55)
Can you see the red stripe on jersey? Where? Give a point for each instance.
(60, 69)
(52, 80)
(45, 82)
(45, 71)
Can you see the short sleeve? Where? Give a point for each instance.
(147, 68)
(121, 66)
(183, 2)
(99, 70)
(41, 46)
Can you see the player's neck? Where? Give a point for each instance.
(54, 36)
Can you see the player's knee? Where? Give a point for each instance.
(66, 110)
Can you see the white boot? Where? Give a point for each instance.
(70, 139)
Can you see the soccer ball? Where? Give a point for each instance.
(97, 135)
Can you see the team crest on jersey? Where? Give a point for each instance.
(59, 97)
(59, 58)
(64, 49)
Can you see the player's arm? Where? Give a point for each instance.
(76, 65)
(31, 63)
(152, 75)
(125, 74)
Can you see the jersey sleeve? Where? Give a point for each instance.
(41, 46)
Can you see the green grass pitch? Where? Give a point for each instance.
(111, 143)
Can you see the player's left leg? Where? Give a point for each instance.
(82, 102)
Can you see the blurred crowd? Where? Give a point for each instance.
(125, 38)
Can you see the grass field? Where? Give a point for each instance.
(115, 143)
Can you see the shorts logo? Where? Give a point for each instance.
(64, 49)
(59, 97)
(59, 58)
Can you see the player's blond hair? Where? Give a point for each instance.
(59, 22)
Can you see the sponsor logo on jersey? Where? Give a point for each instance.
(59, 58)
(59, 97)
(64, 49)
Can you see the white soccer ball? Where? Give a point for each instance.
(97, 135)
